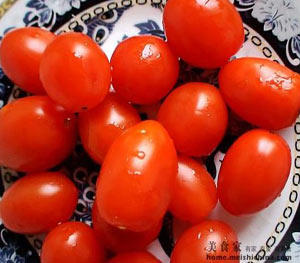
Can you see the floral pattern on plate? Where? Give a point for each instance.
(282, 18)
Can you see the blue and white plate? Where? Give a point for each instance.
(272, 30)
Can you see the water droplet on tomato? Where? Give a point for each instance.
(135, 172)
(77, 54)
(141, 155)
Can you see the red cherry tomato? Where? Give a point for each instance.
(204, 33)
(257, 157)
(134, 257)
(75, 72)
(136, 180)
(34, 203)
(122, 240)
(35, 134)
(261, 91)
(211, 242)
(99, 127)
(72, 242)
(195, 192)
(195, 117)
(144, 69)
(20, 56)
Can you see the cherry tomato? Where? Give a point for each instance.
(211, 242)
(122, 240)
(72, 242)
(134, 257)
(261, 91)
(34, 203)
(75, 72)
(35, 134)
(20, 56)
(195, 117)
(99, 127)
(257, 157)
(136, 180)
(203, 33)
(144, 69)
(195, 192)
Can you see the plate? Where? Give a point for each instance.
(272, 30)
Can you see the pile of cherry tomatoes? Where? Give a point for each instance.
(147, 167)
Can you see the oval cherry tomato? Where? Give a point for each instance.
(195, 192)
(87, 72)
(261, 91)
(257, 157)
(35, 134)
(211, 242)
(72, 242)
(144, 69)
(134, 257)
(136, 180)
(99, 127)
(36, 203)
(203, 33)
(20, 56)
(195, 117)
(122, 240)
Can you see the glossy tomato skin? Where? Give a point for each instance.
(122, 240)
(134, 257)
(202, 114)
(34, 203)
(261, 91)
(35, 134)
(257, 157)
(144, 69)
(203, 33)
(195, 192)
(99, 127)
(135, 185)
(194, 245)
(72, 242)
(87, 72)
(20, 56)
